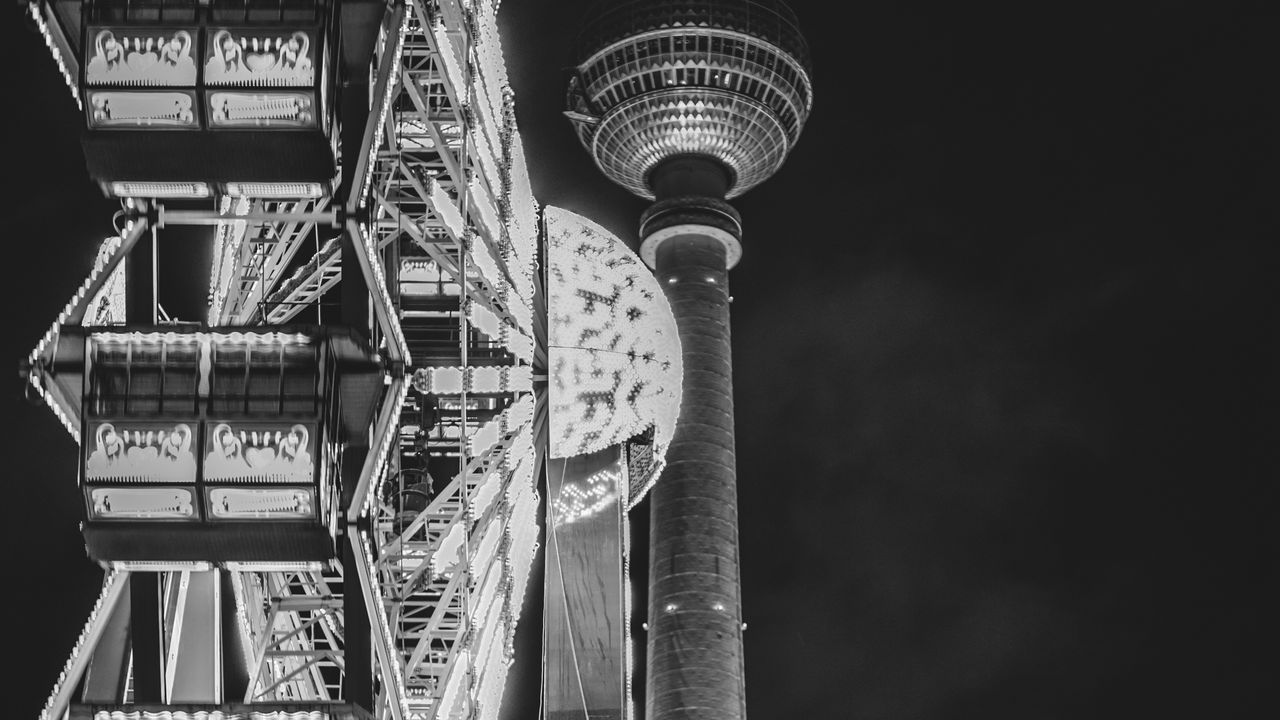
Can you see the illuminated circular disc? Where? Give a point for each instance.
(613, 347)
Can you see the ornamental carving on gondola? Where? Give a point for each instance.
(141, 452)
(142, 58)
(259, 453)
(249, 59)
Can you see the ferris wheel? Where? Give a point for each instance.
(324, 498)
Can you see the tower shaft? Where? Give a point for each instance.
(690, 104)
(695, 667)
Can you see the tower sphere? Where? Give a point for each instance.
(662, 79)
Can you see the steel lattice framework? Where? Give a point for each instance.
(450, 244)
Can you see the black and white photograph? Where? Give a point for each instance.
(641, 360)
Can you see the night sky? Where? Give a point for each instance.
(1005, 396)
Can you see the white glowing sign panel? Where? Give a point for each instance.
(614, 351)
(141, 56)
(259, 453)
(276, 109)
(153, 503)
(113, 108)
(260, 504)
(141, 452)
(259, 59)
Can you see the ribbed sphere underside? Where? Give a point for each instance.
(723, 79)
(736, 130)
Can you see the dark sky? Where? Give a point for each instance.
(1005, 400)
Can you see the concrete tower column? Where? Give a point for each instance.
(662, 99)
(695, 664)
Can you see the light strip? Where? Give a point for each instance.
(114, 250)
(482, 203)
(34, 9)
(483, 319)
(145, 189)
(484, 152)
(489, 60)
(450, 545)
(479, 379)
(275, 191)
(484, 262)
(371, 267)
(375, 462)
(275, 566)
(108, 306)
(161, 565)
(192, 338)
(449, 55)
(628, 658)
(523, 528)
(524, 207)
(388, 75)
(445, 207)
(113, 585)
(388, 658)
(213, 715)
(227, 238)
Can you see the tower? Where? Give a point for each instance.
(689, 104)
